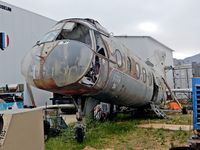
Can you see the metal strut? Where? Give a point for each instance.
(157, 110)
(172, 94)
(79, 129)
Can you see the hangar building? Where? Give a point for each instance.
(20, 29)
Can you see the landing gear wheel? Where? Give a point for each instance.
(46, 129)
(184, 111)
(79, 134)
(79, 129)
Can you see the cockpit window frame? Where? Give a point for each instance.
(60, 30)
(100, 45)
(118, 58)
(73, 24)
(53, 28)
(47, 41)
(89, 24)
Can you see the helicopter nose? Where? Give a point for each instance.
(56, 64)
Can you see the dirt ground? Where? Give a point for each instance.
(69, 118)
(168, 126)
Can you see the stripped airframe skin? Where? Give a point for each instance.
(79, 57)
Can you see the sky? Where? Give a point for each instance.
(175, 23)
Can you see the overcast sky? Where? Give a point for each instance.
(175, 23)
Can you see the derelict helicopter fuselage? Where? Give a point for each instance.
(78, 57)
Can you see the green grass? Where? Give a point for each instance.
(123, 133)
(173, 118)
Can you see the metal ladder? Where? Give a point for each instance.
(172, 94)
(157, 110)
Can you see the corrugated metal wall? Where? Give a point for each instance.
(196, 69)
(183, 80)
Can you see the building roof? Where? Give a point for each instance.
(6, 5)
(148, 37)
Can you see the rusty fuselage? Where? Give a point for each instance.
(79, 57)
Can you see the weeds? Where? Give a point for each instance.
(121, 133)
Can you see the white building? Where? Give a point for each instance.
(23, 28)
(183, 80)
(147, 48)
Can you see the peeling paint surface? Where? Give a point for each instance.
(83, 59)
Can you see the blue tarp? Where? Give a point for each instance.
(5, 106)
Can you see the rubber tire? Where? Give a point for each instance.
(79, 135)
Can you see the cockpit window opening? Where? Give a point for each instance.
(75, 31)
(69, 26)
(69, 30)
(101, 51)
(100, 47)
(99, 27)
(50, 36)
(57, 26)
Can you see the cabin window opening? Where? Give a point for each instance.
(158, 81)
(150, 79)
(129, 65)
(137, 70)
(144, 75)
(100, 47)
(133, 68)
(101, 51)
(118, 57)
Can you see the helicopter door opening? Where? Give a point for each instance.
(94, 71)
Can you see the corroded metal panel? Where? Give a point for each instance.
(86, 61)
(103, 75)
(127, 90)
(64, 64)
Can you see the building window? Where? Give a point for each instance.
(129, 65)
(144, 75)
(137, 70)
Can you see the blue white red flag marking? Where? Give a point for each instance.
(4, 40)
